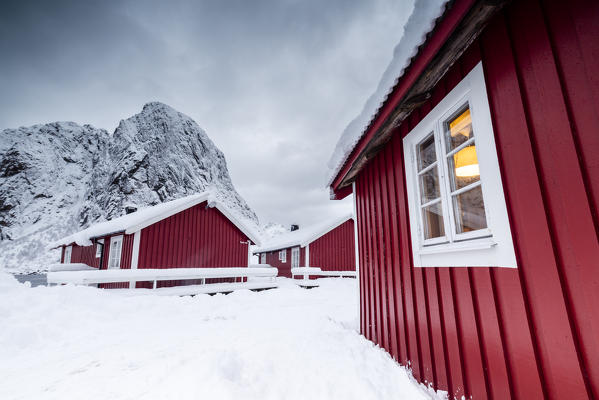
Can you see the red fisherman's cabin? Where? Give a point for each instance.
(328, 246)
(196, 231)
(476, 184)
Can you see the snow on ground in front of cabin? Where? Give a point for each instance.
(289, 343)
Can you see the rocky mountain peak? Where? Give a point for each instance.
(60, 177)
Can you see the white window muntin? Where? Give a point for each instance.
(491, 246)
(115, 252)
(437, 130)
(283, 256)
(263, 258)
(68, 251)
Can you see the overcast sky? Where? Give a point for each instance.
(273, 82)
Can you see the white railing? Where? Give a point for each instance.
(70, 267)
(174, 274)
(314, 271)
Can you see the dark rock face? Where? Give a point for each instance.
(58, 178)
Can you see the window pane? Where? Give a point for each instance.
(426, 152)
(463, 167)
(469, 209)
(458, 129)
(429, 186)
(433, 221)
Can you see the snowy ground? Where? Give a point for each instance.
(288, 343)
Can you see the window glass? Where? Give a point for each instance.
(429, 186)
(464, 172)
(114, 260)
(463, 167)
(458, 128)
(457, 210)
(469, 210)
(430, 190)
(433, 221)
(426, 152)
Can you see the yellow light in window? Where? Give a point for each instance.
(461, 125)
(466, 162)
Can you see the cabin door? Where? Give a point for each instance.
(295, 257)
(67, 254)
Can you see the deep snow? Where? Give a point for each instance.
(288, 343)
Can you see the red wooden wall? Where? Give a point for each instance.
(194, 238)
(272, 259)
(87, 255)
(335, 250)
(199, 237)
(82, 254)
(525, 333)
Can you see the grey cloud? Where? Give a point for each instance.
(272, 82)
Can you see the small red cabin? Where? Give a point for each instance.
(192, 232)
(476, 184)
(328, 246)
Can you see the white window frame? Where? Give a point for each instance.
(117, 258)
(263, 258)
(283, 256)
(490, 247)
(99, 247)
(68, 252)
(295, 257)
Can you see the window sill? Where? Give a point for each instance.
(479, 244)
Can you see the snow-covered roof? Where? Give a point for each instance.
(420, 23)
(302, 236)
(140, 219)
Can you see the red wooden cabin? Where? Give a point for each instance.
(192, 232)
(476, 184)
(328, 246)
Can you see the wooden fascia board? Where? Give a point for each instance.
(454, 33)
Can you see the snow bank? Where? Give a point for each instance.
(289, 343)
(420, 23)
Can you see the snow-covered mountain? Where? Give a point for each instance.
(58, 178)
(273, 229)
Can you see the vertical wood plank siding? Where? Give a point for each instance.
(199, 237)
(526, 333)
(82, 254)
(272, 258)
(335, 251)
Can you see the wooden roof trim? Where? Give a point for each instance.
(458, 28)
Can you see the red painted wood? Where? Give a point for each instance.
(393, 240)
(370, 262)
(454, 366)
(335, 250)
(492, 347)
(82, 254)
(435, 328)
(380, 272)
(272, 258)
(389, 258)
(405, 255)
(529, 332)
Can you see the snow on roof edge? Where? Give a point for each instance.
(302, 237)
(140, 219)
(419, 25)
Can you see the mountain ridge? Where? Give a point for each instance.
(60, 177)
